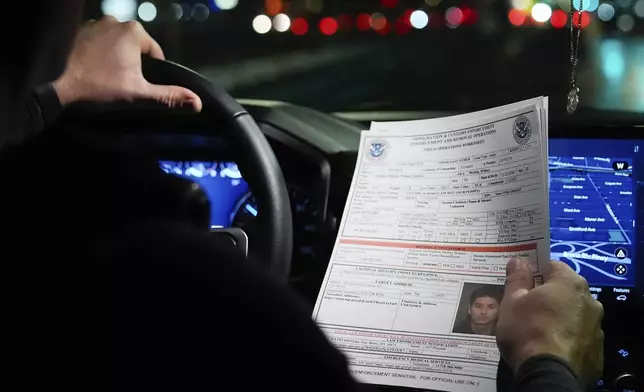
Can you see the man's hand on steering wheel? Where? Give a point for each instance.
(105, 66)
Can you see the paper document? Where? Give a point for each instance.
(434, 213)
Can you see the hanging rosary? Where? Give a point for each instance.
(575, 34)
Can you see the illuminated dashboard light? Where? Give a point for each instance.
(419, 19)
(262, 24)
(253, 211)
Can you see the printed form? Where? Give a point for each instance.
(434, 213)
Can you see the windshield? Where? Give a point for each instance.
(363, 55)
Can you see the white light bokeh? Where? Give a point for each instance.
(625, 23)
(262, 24)
(606, 12)
(521, 4)
(147, 12)
(638, 8)
(176, 10)
(281, 22)
(200, 12)
(226, 4)
(122, 10)
(419, 19)
(541, 12)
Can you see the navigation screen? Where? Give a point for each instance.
(593, 197)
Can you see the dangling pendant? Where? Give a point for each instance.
(573, 100)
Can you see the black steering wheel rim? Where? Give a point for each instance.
(257, 162)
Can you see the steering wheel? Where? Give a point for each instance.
(257, 162)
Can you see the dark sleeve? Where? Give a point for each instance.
(38, 110)
(187, 316)
(546, 373)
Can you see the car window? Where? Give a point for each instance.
(338, 55)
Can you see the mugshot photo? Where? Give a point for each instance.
(478, 309)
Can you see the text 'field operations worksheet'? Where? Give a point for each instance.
(412, 292)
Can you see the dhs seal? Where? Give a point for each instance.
(378, 149)
(522, 130)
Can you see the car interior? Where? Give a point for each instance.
(271, 179)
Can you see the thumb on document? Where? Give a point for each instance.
(519, 279)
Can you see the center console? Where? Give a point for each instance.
(597, 227)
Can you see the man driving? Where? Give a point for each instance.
(482, 313)
(174, 311)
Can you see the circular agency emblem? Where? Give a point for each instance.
(522, 130)
(378, 149)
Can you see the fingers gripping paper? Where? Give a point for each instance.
(435, 210)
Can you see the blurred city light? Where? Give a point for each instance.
(470, 16)
(378, 21)
(363, 22)
(559, 19)
(585, 19)
(541, 12)
(226, 4)
(200, 12)
(403, 26)
(314, 6)
(345, 22)
(176, 10)
(612, 55)
(524, 5)
(281, 22)
(389, 3)
(122, 10)
(262, 24)
(564, 4)
(517, 17)
(419, 19)
(328, 26)
(299, 26)
(625, 23)
(273, 7)
(147, 12)
(453, 17)
(589, 5)
(638, 8)
(606, 12)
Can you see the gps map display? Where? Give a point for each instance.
(593, 201)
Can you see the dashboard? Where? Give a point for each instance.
(596, 195)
